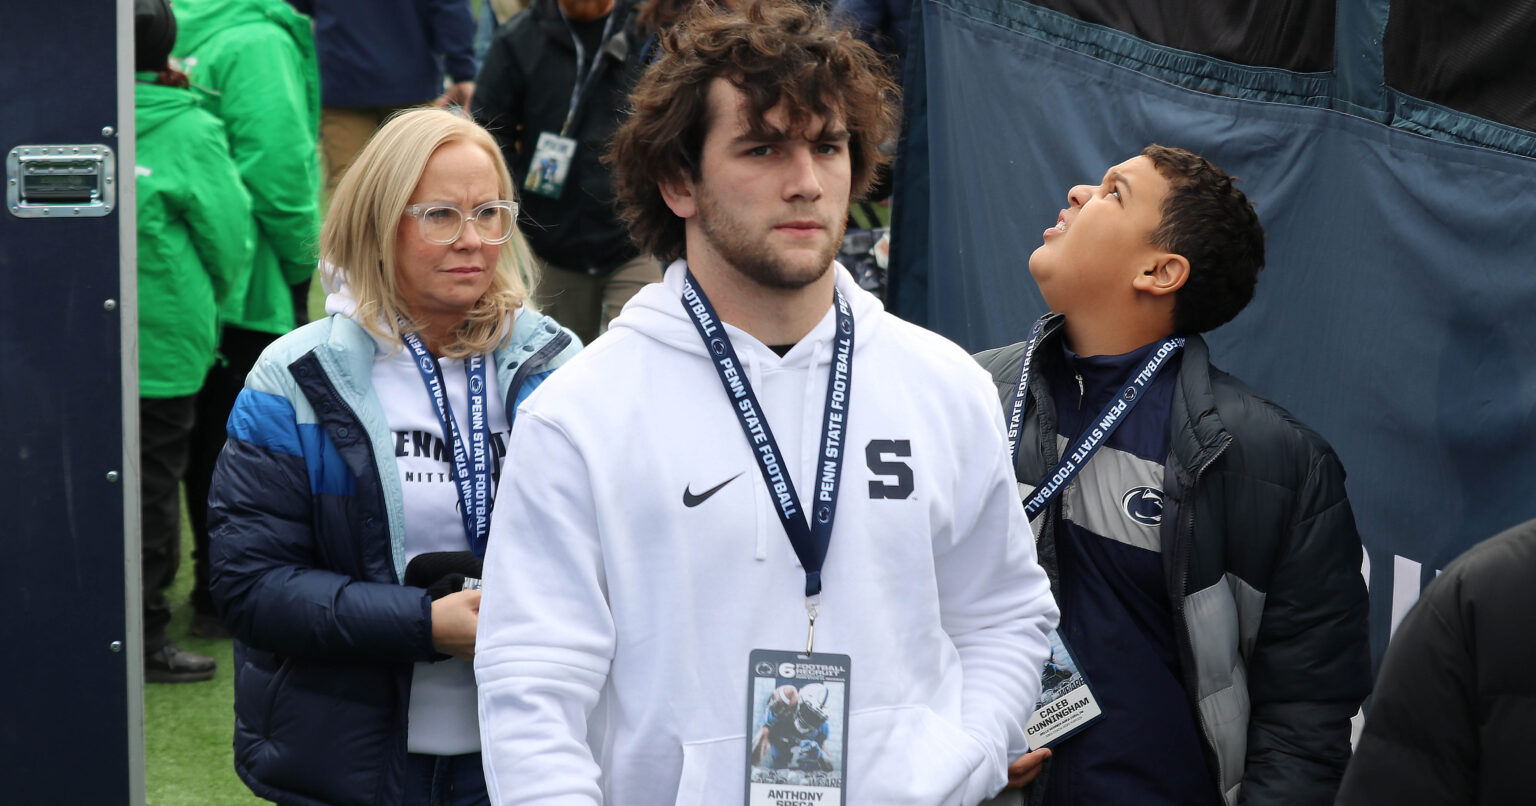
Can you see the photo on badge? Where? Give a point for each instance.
(550, 164)
(797, 728)
(1066, 703)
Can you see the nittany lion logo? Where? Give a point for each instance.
(1144, 505)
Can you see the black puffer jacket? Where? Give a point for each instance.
(1453, 718)
(1262, 562)
(524, 88)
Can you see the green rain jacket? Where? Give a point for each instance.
(194, 237)
(252, 64)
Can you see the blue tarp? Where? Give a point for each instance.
(1397, 311)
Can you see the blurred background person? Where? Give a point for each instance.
(194, 254)
(553, 90)
(252, 64)
(1453, 716)
(344, 463)
(378, 57)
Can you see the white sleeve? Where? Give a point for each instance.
(546, 635)
(996, 605)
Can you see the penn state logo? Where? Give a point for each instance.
(1144, 505)
(476, 385)
(764, 668)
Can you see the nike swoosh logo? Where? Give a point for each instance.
(691, 500)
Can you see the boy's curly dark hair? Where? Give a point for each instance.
(1213, 225)
(775, 52)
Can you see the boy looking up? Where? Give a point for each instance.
(1205, 557)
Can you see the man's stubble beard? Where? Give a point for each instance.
(752, 258)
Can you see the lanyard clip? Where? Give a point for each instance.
(811, 605)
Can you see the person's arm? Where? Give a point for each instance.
(500, 90)
(1309, 668)
(996, 605)
(218, 211)
(265, 105)
(760, 747)
(261, 513)
(451, 34)
(546, 634)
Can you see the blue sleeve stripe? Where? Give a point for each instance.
(267, 422)
(530, 383)
(328, 472)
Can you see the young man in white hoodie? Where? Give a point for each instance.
(664, 539)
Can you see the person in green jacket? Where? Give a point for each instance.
(252, 64)
(194, 257)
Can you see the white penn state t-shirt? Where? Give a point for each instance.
(443, 715)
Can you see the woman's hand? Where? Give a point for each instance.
(454, 619)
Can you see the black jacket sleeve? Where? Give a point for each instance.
(1309, 668)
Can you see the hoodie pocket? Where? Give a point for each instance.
(714, 772)
(910, 756)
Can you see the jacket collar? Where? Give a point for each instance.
(1198, 434)
(348, 352)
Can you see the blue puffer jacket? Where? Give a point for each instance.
(308, 553)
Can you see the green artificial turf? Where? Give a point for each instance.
(189, 727)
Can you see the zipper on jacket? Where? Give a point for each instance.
(1080, 391)
(1191, 673)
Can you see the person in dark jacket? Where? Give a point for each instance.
(553, 91)
(378, 57)
(1205, 557)
(363, 442)
(1453, 716)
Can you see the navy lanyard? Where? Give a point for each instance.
(471, 464)
(581, 56)
(1097, 432)
(810, 541)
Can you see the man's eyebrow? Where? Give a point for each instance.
(760, 134)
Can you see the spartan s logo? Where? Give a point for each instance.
(1143, 505)
(875, 454)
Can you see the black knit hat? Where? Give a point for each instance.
(154, 32)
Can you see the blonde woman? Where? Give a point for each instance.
(360, 442)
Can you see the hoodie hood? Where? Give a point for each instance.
(154, 104)
(338, 296)
(657, 312)
(200, 20)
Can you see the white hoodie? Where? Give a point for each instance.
(616, 622)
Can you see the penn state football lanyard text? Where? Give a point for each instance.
(1097, 432)
(809, 539)
(471, 463)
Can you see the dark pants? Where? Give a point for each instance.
(239, 348)
(445, 781)
(165, 425)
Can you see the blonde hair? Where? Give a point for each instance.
(359, 231)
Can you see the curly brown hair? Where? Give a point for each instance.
(775, 52)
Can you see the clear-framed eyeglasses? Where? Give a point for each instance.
(443, 222)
